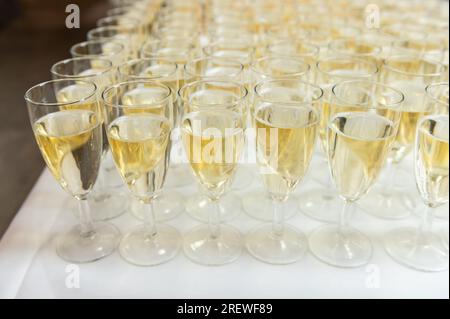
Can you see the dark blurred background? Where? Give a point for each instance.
(33, 36)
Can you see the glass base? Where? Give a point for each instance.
(201, 248)
(243, 179)
(321, 204)
(440, 212)
(199, 207)
(427, 253)
(168, 206)
(258, 205)
(109, 205)
(75, 248)
(393, 207)
(179, 176)
(341, 247)
(140, 249)
(266, 246)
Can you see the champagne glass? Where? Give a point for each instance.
(421, 248)
(121, 20)
(293, 47)
(359, 48)
(363, 124)
(286, 120)
(213, 139)
(105, 49)
(409, 74)
(129, 35)
(319, 203)
(225, 69)
(215, 95)
(107, 200)
(139, 136)
(436, 99)
(69, 135)
(258, 204)
(169, 203)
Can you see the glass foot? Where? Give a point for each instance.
(393, 207)
(243, 178)
(199, 207)
(140, 249)
(179, 176)
(425, 252)
(321, 204)
(75, 248)
(168, 205)
(266, 246)
(201, 248)
(440, 212)
(341, 247)
(258, 205)
(108, 205)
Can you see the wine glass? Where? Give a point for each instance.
(421, 248)
(213, 136)
(216, 95)
(286, 122)
(363, 121)
(105, 49)
(436, 99)
(258, 204)
(129, 35)
(108, 200)
(139, 135)
(323, 204)
(69, 135)
(409, 74)
(222, 69)
(169, 203)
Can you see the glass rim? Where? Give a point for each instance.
(212, 58)
(93, 36)
(85, 58)
(229, 104)
(397, 103)
(264, 82)
(236, 116)
(294, 58)
(131, 20)
(137, 61)
(315, 48)
(433, 97)
(409, 57)
(96, 41)
(347, 59)
(28, 98)
(116, 86)
(377, 49)
(283, 104)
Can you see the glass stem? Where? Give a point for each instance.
(86, 224)
(345, 212)
(391, 173)
(425, 225)
(278, 218)
(150, 219)
(214, 219)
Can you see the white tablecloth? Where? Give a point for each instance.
(29, 266)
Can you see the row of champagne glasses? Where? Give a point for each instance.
(117, 45)
(363, 123)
